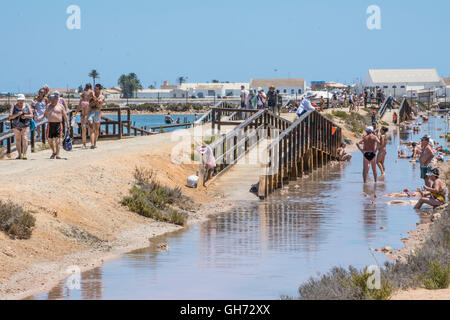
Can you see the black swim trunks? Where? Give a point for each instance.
(369, 155)
(54, 130)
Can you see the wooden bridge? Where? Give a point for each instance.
(285, 150)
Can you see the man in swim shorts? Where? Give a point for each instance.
(55, 114)
(425, 158)
(370, 143)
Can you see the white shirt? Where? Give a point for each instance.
(305, 105)
(244, 95)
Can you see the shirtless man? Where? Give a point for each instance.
(94, 115)
(425, 158)
(382, 150)
(370, 142)
(55, 114)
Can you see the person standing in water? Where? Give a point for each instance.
(426, 155)
(369, 147)
(382, 150)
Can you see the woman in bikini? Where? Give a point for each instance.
(382, 150)
(436, 194)
(85, 97)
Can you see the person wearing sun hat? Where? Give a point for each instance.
(434, 195)
(20, 116)
(306, 104)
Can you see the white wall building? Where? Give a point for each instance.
(154, 93)
(444, 91)
(288, 87)
(210, 90)
(399, 82)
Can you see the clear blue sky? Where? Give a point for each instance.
(231, 40)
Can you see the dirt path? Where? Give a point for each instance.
(76, 202)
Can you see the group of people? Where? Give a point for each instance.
(260, 100)
(52, 108)
(373, 148)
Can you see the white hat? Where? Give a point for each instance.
(310, 94)
(20, 97)
(259, 89)
(369, 129)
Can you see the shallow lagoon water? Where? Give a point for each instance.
(265, 249)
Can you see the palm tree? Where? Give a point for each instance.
(129, 84)
(181, 80)
(94, 75)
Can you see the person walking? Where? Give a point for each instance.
(369, 147)
(261, 99)
(271, 99)
(94, 115)
(83, 105)
(39, 105)
(20, 116)
(279, 102)
(56, 115)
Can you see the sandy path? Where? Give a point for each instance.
(76, 202)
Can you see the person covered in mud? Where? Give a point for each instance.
(416, 150)
(342, 154)
(435, 195)
(425, 158)
(382, 150)
(369, 148)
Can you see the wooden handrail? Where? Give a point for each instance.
(306, 144)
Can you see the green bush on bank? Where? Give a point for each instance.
(152, 200)
(15, 222)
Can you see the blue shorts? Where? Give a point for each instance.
(94, 116)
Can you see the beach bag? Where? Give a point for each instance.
(192, 181)
(67, 142)
(32, 125)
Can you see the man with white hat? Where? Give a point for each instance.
(370, 143)
(55, 114)
(306, 105)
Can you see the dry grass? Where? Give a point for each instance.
(14, 221)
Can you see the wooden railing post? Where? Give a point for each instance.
(119, 117)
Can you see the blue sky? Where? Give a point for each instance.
(209, 39)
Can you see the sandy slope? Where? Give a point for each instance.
(76, 205)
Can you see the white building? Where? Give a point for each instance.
(399, 82)
(154, 94)
(290, 87)
(444, 91)
(210, 90)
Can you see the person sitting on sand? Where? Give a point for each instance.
(342, 154)
(436, 194)
(369, 147)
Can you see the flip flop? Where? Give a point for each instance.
(58, 158)
(53, 156)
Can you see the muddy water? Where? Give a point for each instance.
(262, 250)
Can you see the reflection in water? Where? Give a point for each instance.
(263, 249)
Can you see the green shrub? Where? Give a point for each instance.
(15, 222)
(438, 276)
(152, 200)
(357, 282)
(340, 114)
